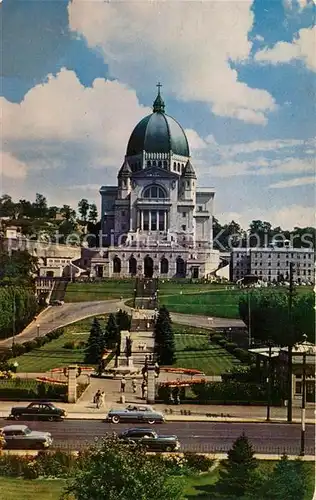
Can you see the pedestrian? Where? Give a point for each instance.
(97, 397)
(101, 401)
(123, 383)
(144, 388)
(145, 392)
(134, 385)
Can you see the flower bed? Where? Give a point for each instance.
(183, 371)
(182, 383)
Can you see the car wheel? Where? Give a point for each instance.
(115, 419)
(17, 417)
(152, 421)
(51, 418)
(168, 448)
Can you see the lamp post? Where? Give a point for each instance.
(302, 451)
(249, 318)
(37, 330)
(269, 384)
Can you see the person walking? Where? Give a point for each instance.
(101, 399)
(134, 385)
(123, 384)
(144, 388)
(97, 397)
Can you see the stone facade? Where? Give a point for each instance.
(156, 221)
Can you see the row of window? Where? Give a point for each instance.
(298, 273)
(269, 264)
(279, 256)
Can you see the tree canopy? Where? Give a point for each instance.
(116, 471)
(164, 338)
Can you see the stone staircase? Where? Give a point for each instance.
(59, 289)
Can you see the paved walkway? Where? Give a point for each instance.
(57, 316)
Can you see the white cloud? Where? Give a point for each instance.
(259, 38)
(299, 181)
(62, 116)
(302, 47)
(194, 140)
(297, 5)
(188, 45)
(286, 217)
(11, 167)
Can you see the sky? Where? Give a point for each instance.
(238, 75)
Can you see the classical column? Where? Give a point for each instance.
(157, 220)
(141, 220)
(165, 221)
(149, 220)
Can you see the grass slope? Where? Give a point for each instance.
(23, 489)
(195, 351)
(53, 354)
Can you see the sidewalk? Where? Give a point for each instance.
(86, 410)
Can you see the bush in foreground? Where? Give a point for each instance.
(115, 471)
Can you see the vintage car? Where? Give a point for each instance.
(40, 410)
(136, 413)
(150, 439)
(21, 437)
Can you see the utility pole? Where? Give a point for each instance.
(249, 319)
(302, 452)
(290, 345)
(269, 384)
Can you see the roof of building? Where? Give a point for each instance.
(125, 170)
(158, 133)
(189, 171)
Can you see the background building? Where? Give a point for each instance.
(273, 264)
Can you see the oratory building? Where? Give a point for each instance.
(157, 221)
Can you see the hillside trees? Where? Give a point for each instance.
(18, 307)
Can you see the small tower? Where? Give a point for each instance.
(188, 182)
(124, 180)
(159, 105)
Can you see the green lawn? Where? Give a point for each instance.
(221, 303)
(53, 354)
(195, 351)
(23, 489)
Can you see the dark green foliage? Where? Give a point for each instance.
(270, 316)
(164, 338)
(18, 307)
(196, 462)
(235, 392)
(116, 471)
(28, 389)
(95, 344)
(237, 471)
(123, 320)
(287, 481)
(111, 334)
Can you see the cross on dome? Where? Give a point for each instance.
(159, 105)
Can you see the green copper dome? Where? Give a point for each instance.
(158, 133)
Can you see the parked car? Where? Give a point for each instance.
(21, 437)
(150, 439)
(57, 303)
(38, 411)
(136, 413)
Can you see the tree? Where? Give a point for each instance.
(123, 320)
(116, 471)
(7, 206)
(40, 206)
(287, 481)
(83, 207)
(111, 334)
(270, 316)
(95, 345)
(93, 213)
(164, 338)
(68, 213)
(237, 472)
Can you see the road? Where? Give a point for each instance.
(58, 316)
(201, 437)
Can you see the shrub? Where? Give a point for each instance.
(40, 341)
(235, 392)
(70, 345)
(33, 345)
(222, 342)
(55, 463)
(18, 350)
(216, 337)
(31, 470)
(230, 346)
(28, 346)
(197, 462)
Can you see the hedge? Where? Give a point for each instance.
(242, 354)
(228, 392)
(29, 389)
(30, 345)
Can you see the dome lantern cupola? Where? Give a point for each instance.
(159, 105)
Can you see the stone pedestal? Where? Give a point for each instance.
(151, 384)
(72, 383)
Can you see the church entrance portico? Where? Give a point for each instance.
(148, 267)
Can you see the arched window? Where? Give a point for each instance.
(160, 164)
(132, 265)
(174, 166)
(164, 266)
(117, 264)
(149, 164)
(180, 267)
(154, 163)
(165, 164)
(154, 192)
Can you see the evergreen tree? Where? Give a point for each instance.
(111, 335)
(238, 471)
(123, 320)
(164, 338)
(287, 481)
(95, 344)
